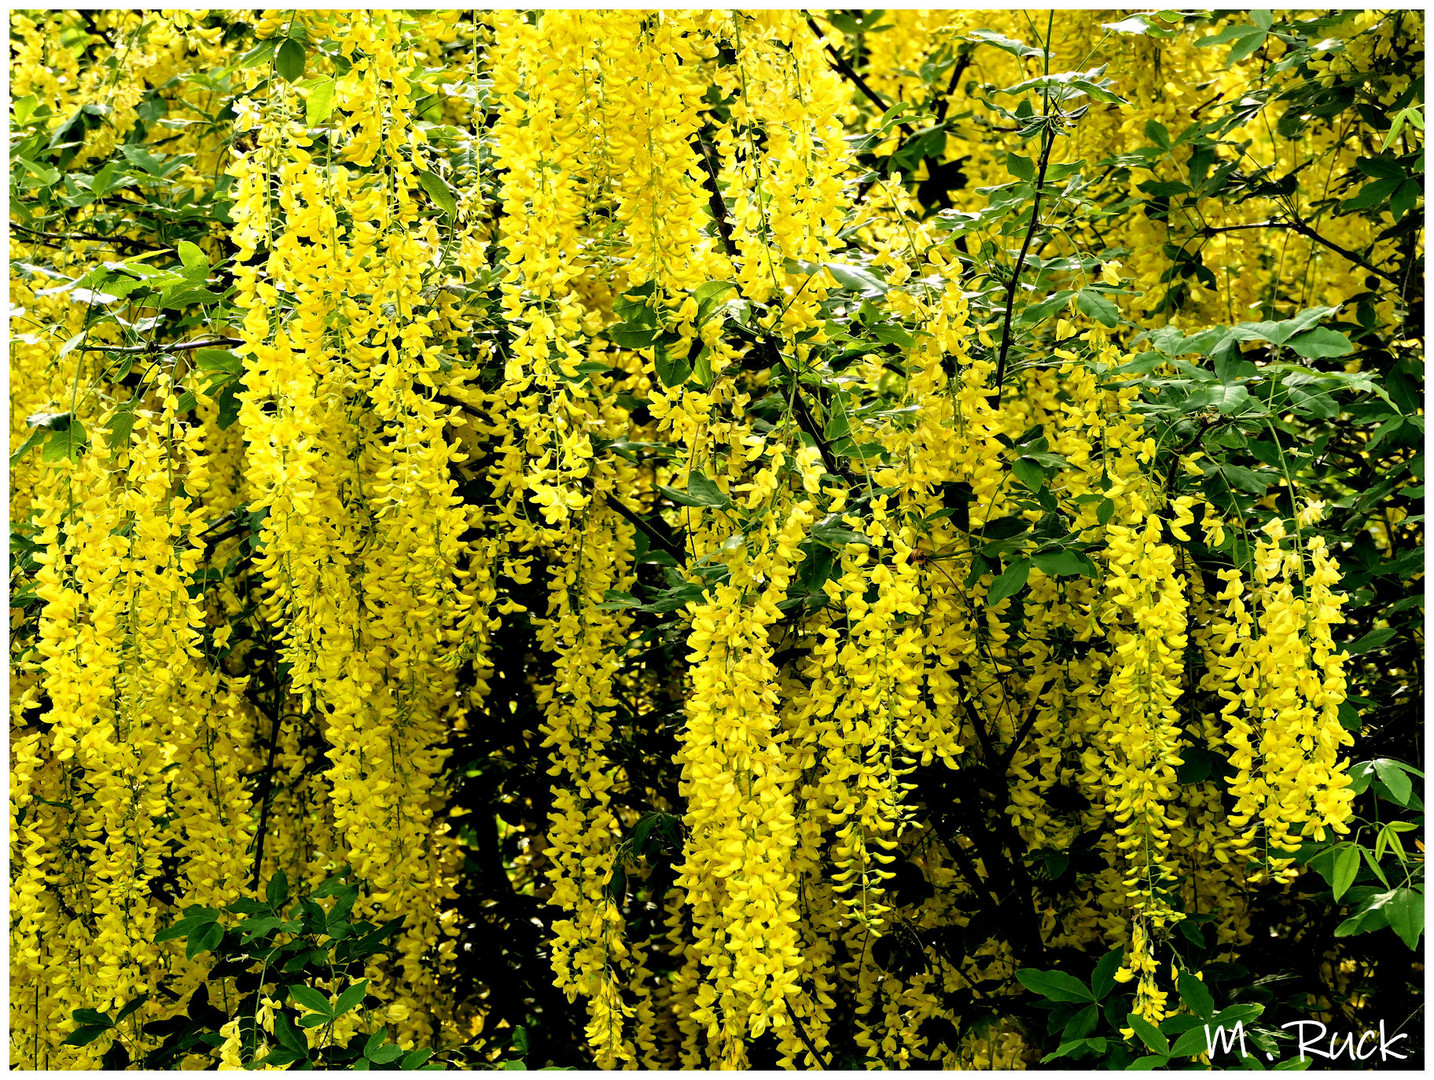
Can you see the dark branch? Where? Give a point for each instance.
(176, 347)
(963, 61)
(116, 241)
(849, 73)
(1025, 729)
(806, 1040)
(1021, 262)
(656, 537)
(717, 203)
(1304, 230)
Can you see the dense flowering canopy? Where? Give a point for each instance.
(818, 465)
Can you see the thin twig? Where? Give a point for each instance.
(1021, 262)
(963, 61)
(117, 241)
(1305, 231)
(657, 537)
(178, 346)
(717, 203)
(266, 793)
(1025, 729)
(806, 1040)
(849, 73)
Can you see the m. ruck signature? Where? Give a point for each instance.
(1341, 1045)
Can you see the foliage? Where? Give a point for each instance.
(715, 539)
(278, 963)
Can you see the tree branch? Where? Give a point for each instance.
(849, 73)
(963, 61)
(656, 537)
(117, 241)
(175, 347)
(265, 792)
(1304, 230)
(1020, 263)
(1029, 722)
(716, 202)
(806, 1040)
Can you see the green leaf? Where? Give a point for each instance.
(1192, 1042)
(1375, 639)
(351, 997)
(1149, 1034)
(1008, 584)
(1405, 913)
(36, 437)
(1392, 774)
(1000, 41)
(289, 60)
(439, 191)
(1029, 472)
(681, 498)
(132, 1006)
(617, 600)
(856, 278)
(1239, 1014)
(1157, 133)
(83, 1036)
(1069, 82)
(381, 1054)
(219, 361)
(630, 336)
(672, 369)
(1371, 195)
(280, 1056)
(1102, 981)
(319, 105)
(194, 260)
(67, 442)
(203, 940)
(1055, 985)
(1374, 866)
(46, 175)
(183, 928)
(1321, 342)
(701, 491)
(1381, 168)
(831, 532)
(277, 891)
(1082, 1023)
(1147, 1063)
(1061, 563)
(311, 999)
(1021, 167)
(23, 108)
(1066, 1047)
(1196, 996)
(1404, 198)
(91, 1016)
(1096, 305)
(414, 1058)
(287, 1036)
(1369, 916)
(710, 291)
(1245, 46)
(1346, 868)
